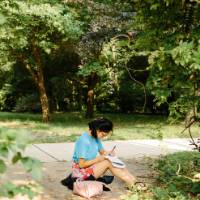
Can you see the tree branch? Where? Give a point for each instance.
(143, 86)
(192, 141)
(28, 67)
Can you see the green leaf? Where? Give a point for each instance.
(160, 193)
(33, 166)
(2, 166)
(36, 171)
(16, 158)
(4, 151)
(88, 69)
(135, 197)
(27, 163)
(9, 189)
(2, 19)
(196, 188)
(155, 6)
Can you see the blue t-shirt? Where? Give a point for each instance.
(86, 147)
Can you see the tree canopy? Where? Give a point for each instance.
(32, 31)
(101, 54)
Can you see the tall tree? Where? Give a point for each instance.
(108, 19)
(169, 37)
(32, 30)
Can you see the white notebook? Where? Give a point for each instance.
(116, 162)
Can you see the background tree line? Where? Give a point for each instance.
(100, 56)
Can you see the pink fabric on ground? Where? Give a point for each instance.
(81, 173)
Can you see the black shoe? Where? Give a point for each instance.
(68, 182)
(106, 188)
(106, 179)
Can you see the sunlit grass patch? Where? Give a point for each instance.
(65, 127)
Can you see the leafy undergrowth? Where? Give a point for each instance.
(177, 179)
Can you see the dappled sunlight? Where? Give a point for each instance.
(54, 172)
(16, 124)
(20, 197)
(18, 173)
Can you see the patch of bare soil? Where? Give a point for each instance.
(54, 172)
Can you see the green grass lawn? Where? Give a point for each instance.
(68, 126)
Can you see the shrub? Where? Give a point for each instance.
(28, 103)
(175, 179)
(12, 144)
(176, 172)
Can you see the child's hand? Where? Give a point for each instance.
(111, 153)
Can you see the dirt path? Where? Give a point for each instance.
(53, 172)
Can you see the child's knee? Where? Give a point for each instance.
(107, 163)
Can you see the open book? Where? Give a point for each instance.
(116, 162)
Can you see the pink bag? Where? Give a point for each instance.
(87, 189)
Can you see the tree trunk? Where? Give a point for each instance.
(43, 97)
(92, 80)
(90, 103)
(38, 77)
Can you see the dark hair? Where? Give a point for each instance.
(101, 124)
